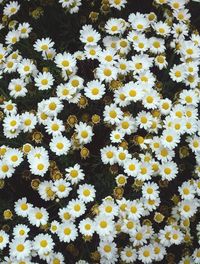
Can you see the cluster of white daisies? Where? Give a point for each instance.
(73, 6)
(131, 56)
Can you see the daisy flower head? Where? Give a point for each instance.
(57, 257)
(38, 216)
(76, 208)
(65, 61)
(92, 51)
(6, 169)
(188, 208)
(135, 209)
(17, 88)
(55, 127)
(43, 243)
(162, 28)
(104, 225)
(53, 106)
(131, 167)
(139, 22)
(12, 122)
(20, 248)
(170, 139)
(9, 107)
(128, 254)
(112, 114)
(45, 190)
(39, 166)
(28, 121)
(177, 73)
(44, 81)
(26, 68)
(11, 8)
(150, 190)
(88, 35)
(109, 208)
(146, 254)
(106, 73)
(86, 227)
(60, 145)
(107, 250)
(22, 207)
(61, 188)
(4, 239)
(67, 232)
(118, 4)
(43, 45)
(157, 45)
(84, 133)
(108, 155)
(86, 193)
(114, 26)
(168, 170)
(116, 136)
(74, 174)
(14, 157)
(94, 90)
(24, 29)
(122, 155)
(21, 231)
(133, 92)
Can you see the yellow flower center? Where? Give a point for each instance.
(20, 247)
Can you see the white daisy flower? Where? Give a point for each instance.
(28, 121)
(114, 26)
(107, 250)
(43, 243)
(84, 133)
(150, 190)
(17, 88)
(20, 248)
(24, 29)
(60, 145)
(168, 170)
(145, 254)
(65, 61)
(14, 157)
(44, 81)
(104, 225)
(74, 174)
(106, 73)
(108, 155)
(86, 193)
(67, 232)
(11, 8)
(62, 188)
(22, 207)
(43, 45)
(94, 90)
(6, 169)
(55, 127)
(128, 254)
(39, 166)
(38, 216)
(4, 239)
(131, 167)
(88, 35)
(76, 208)
(86, 227)
(21, 231)
(112, 114)
(12, 122)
